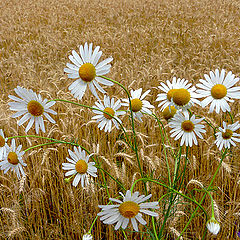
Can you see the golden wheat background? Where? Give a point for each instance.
(150, 41)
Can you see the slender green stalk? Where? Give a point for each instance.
(132, 124)
(171, 189)
(194, 213)
(125, 236)
(39, 145)
(231, 116)
(154, 228)
(90, 229)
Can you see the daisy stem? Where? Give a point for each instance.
(92, 108)
(212, 204)
(90, 229)
(154, 228)
(39, 145)
(231, 116)
(164, 147)
(125, 236)
(171, 189)
(132, 124)
(210, 184)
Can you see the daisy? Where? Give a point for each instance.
(218, 90)
(213, 226)
(3, 144)
(108, 106)
(139, 106)
(79, 166)
(130, 209)
(86, 69)
(13, 159)
(87, 237)
(169, 88)
(169, 112)
(33, 107)
(186, 128)
(227, 136)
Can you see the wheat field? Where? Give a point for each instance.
(151, 42)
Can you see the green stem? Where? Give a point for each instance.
(39, 145)
(171, 189)
(215, 174)
(90, 229)
(154, 228)
(230, 115)
(132, 124)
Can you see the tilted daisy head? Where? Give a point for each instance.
(218, 90)
(79, 166)
(32, 107)
(186, 128)
(86, 69)
(87, 237)
(169, 112)
(130, 209)
(227, 135)
(213, 226)
(138, 104)
(108, 113)
(3, 145)
(13, 159)
(168, 89)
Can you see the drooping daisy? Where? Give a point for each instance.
(79, 166)
(139, 106)
(227, 135)
(33, 107)
(87, 237)
(186, 128)
(130, 209)
(169, 88)
(109, 106)
(86, 69)
(13, 159)
(218, 90)
(169, 112)
(3, 144)
(213, 226)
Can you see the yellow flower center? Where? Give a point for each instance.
(187, 126)
(169, 114)
(170, 94)
(181, 96)
(136, 104)
(110, 111)
(13, 158)
(35, 108)
(81, 167)
(2, 141)
(218, 91)
(129, 209)
(87, 72)
(227, 134)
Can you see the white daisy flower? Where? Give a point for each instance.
(227, 135)
(13, 159)
(218, 90)
(109, 106)
(186, 128)
(213, 226)
(80, 166)
(86, 69)
(87, 237)
(130, 209)
(139, 106)
(169, 88)
(33, 107)
(3, 145)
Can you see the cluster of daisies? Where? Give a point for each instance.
(176, 100)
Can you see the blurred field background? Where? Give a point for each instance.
(150, 41)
